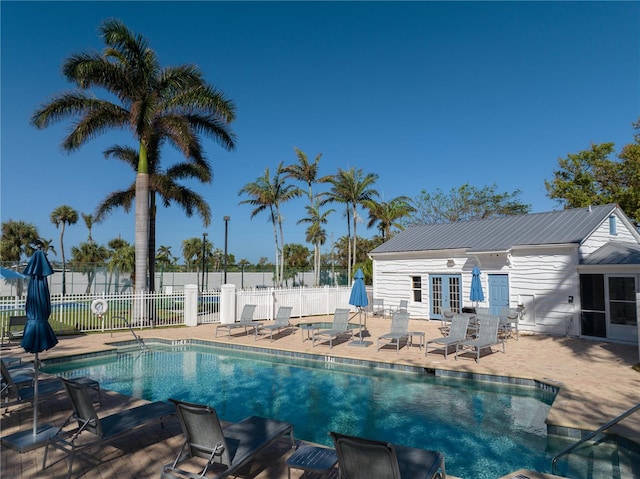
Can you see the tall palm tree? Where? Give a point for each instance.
(307, 173)
(156, 104)
(62, 216)
(164, 184)
(268, 194)
(353, 188)
(386, 214)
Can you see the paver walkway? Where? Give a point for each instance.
(596, 383)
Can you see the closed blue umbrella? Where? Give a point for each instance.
(38, 334)
(476, 286)
(359, 299)
(358, 291)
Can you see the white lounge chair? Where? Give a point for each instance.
(246, 321)
(457, 333)
(340, 328)
(399, 331)
(281, 322)
(487, 337)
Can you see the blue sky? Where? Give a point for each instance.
(425, 94)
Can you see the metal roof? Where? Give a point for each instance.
(615, 252)
(569, 226)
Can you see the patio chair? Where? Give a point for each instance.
(457, 333)
(509, 322)
(360, 458)
(15, 328)
(403, 306)
(399, 331)
(104, 430)
(487, 337)
(445, 321)
(377, 307)
(340, 327)
(281, 322)
(246, 321)
(216, 450)
(20, 385)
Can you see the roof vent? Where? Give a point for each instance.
(589, 208)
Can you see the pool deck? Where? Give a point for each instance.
(595, 379)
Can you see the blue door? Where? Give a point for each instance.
(445, 293)
(498, 293)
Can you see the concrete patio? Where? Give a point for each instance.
(596, 382)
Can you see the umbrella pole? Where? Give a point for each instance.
(36, 367)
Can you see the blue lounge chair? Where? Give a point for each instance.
(224, 450)
(104, 430)
(399, 331)
(360, 458)
(340, 327)
(281, 322)
(19, 386)
(246, 321)
(457, 333)
(487, 337)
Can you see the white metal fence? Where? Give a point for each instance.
(73, 313)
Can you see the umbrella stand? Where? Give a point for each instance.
(38, 336)
(360, 342)
(38, 436)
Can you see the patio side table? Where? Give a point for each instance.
(419, 334)
(310, 328)
(312, 459)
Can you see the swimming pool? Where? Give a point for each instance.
(485, 429)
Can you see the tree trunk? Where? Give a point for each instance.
(152, 241)
(64, 268)
(141, 244)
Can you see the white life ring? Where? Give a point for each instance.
(99, 306)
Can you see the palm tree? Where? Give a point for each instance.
(122, 255)
(165, 259)
(88, 221)
(353, 188)
(386, 214)
(307, 173)
(316, 235)
(87, 257)
(62, 216)
(161, 183)
(192, 252)
(173, 104)
(268, 194)
(18, 238)
(45, 245)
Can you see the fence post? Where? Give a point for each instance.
(191, 304)
(227, 303)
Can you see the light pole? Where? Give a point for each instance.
(204, 253)
(226, 235)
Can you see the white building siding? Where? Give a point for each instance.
(544, 283)
(602, 235)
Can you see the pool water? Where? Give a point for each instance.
(485, 430)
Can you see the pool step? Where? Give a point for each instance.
(603, 460)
